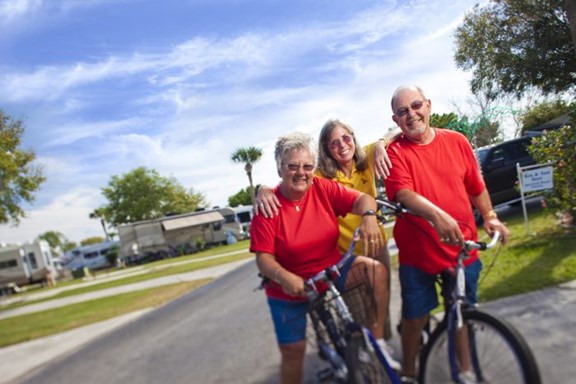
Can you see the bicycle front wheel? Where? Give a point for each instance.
(501, 354)
(363, 364)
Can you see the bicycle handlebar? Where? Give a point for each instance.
(334, 270)
(480, 245)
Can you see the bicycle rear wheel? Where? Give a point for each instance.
(363, 364)
(502, 354)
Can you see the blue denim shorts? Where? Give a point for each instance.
(419, 295)
(289, 317)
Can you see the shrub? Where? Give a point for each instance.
(559, 148)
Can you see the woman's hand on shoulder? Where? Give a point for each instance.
(382, 163)
(266, 203)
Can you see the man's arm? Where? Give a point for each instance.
(445, 226)
(491, 222)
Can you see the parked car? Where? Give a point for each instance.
(498, 165)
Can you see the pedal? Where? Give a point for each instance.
(325, 374)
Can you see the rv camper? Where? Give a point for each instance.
(25, 264)
(244, 214)
(168, 236)
(91, 256)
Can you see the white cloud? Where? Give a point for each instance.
(68, 214)
(15, 9)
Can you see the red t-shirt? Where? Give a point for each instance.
(303, 236)
(445, 172)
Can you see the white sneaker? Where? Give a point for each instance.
(467, 377)
(387, 351)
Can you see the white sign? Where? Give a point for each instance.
(537, 179)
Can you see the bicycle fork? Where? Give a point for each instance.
(455, 323)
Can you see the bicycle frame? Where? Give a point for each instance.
(455, 320)
(335, 357)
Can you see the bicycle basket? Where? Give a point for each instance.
(359, 295)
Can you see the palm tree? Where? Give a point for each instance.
(248, 156)
(98, 213)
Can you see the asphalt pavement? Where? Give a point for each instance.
(544, 318)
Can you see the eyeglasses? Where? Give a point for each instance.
(337, 143)
(295, 167)
(416, 105)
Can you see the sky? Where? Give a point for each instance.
(106, 86)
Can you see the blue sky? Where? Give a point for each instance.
(105, 86)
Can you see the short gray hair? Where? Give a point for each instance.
(295, 140)
(404, 88)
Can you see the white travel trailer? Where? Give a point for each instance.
(25, 264)
(91, 256)
(244, 214)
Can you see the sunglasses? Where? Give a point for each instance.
(416, 105)
(337, 143)
(295, 167)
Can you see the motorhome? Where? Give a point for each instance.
(169, 236)
(91, 256)
(25, 264)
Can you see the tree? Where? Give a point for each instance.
(248, 156)
(480, 132)
(99, 213)
(243, 197)
(570, 6)
(57, 241)
(545, 111)
(514, 45)
(19, 177)
(92, 240)
(143, 194)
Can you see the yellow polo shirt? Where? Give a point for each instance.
(363, 181)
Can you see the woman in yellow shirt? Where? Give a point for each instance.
(341, 158)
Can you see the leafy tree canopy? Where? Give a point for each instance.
(92, 240)
(143, 194)
(479, 132)
(57, 241)
(19, 177)
(512, 46)
(545, 111)
(243, 197)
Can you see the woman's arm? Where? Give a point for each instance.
(382, 163)
(266, 202)
(291, 283)
(365, 205)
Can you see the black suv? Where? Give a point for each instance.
(498, 165)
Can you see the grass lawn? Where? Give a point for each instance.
(544, 257)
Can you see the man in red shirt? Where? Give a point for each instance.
(436, 176)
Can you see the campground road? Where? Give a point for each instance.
(220, 333)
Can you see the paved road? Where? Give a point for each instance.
(222, 333)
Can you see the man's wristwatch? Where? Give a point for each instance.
(369, 212)
(490, 215)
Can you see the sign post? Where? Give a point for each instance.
(533, 178)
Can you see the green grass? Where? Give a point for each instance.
(153, 270)
(31, 326)
(545, 257)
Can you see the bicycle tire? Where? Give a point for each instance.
(503, 355)
(363, 364)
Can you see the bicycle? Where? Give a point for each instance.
(498, 352)
(350, 348)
